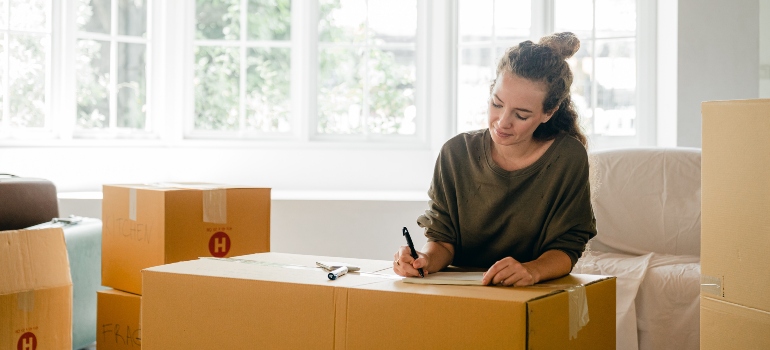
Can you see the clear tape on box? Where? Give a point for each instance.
(214, 200)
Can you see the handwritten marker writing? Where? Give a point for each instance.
(337, 273)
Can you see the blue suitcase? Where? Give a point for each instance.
(83, 237)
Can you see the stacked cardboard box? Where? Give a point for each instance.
(35, 290)
(147, 226)
(735, 233)
(282, 301)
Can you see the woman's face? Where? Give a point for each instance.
(516, 109)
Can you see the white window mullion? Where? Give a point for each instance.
(594, 83)
(113, 65)
(242, 68)
(365, 97)
(304, 68)
(49, 60)
(149, 78)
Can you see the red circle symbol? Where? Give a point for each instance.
(219, 244)
(27, 341)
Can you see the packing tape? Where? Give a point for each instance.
(25, 300)
(132, 204)
(578, 309)
(214, 199)
(711, 285)
(215, 206)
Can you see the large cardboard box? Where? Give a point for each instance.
(281, 301)
(118, 325)
(732, 326)
(147, 226)
(35, 290)
(735, 225)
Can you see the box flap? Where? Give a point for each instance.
(178, 186)
(259, 270)
(33, 259)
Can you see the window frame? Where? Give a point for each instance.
(543, 16)
(47, 130)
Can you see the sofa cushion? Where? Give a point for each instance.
(647, 200)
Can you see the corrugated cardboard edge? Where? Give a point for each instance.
(66, 280)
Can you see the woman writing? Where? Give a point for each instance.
(514, 197)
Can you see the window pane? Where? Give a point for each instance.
(2, 76)
(574, 16)
(92, 71)
(3, 15)
(513, 19)
(342, 20)
(392, 75)
(393, 20)
(132, 89)
(340, 91)
(217, 89)
(26, 90)
(615, 18)
(581, 65)
(218, 19)
(475, 20)
(474, 75)
(30, 14)
(616, 87)
(132, 17)
(94, 16)
(268, 94)
(269, 19)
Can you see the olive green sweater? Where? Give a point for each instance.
(489, 213)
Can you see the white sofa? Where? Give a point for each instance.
(647, 207)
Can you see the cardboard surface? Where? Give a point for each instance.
(118, 324)
(735, 235)
(35, 290)
(274, 300)
(726, 325)
(148, 226)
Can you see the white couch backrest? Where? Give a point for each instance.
(647, 200)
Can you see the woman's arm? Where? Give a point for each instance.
(509, 272)
(433, 257)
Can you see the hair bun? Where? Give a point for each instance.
(565, 44)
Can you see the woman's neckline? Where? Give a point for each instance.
(487, 140)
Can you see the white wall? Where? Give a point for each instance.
(764, 48)
(717, 58)
(348, 226)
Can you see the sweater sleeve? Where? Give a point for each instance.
(573, 222)
(437, 220)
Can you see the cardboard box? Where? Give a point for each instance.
(735, 225)
(118, 325)
(35, 290)
(731, 326)
(281, 301)
(147, 226)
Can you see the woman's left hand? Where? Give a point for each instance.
(509, 272)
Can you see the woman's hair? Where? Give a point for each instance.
(546, 62)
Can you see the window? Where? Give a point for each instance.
(367, 67)
(25, 65)
(112, 43)
(604, 89)
(485, 30)
(242, 67)
(604, 86)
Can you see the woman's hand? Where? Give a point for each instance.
(509, 272)
(405, 265)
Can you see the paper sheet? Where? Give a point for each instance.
(455, 278)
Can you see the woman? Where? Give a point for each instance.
(513, 198)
